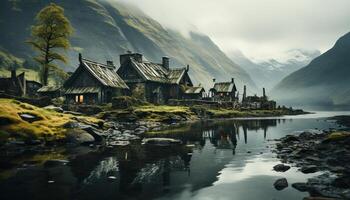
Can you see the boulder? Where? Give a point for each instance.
(280, 184)
(79, 136)
(302, 187)
(281, 168)
(309, 169)
(54, 108)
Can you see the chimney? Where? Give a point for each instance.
(13, 73)
(80, 58)
(264, 94)
(244, 93)
(110, 64)
(232, 80)
(126, 57)
(165, 62)
(188, 68)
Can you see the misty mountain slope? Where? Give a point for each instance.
(270, 72)
(325, 81)
(103, 30)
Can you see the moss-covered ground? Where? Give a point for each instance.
(48, 127)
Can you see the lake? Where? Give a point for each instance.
(222, 159)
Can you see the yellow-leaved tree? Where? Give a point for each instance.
(50, 35)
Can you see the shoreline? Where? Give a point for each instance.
(328, 152)
(77, 128)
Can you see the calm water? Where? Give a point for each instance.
(229, 159)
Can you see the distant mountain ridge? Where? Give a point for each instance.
(270, 72)
(325, 81)
(103, 30)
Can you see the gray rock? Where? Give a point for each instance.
(302, 187)
(54, 108)
(309, 169)
(280, 184)
(281, 168)
(78, 136)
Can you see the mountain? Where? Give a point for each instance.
(106, 29)
(270, 72)
(325, 81)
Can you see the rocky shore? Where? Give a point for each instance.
(327, 152)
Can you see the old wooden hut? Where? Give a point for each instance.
(223, 91)
(257, 102)
(18, 85)
(153, 82)
(94, 82)
(195, 92)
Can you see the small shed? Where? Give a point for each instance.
(50, 91)
(224, 91)
(94, 82)
(194, 93)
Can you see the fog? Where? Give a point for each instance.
(260, 29)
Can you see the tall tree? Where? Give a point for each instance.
(50, 35)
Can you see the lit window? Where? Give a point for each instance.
(79, 98)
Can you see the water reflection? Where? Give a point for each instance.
(215, 160)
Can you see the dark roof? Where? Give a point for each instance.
(194, 90)
(157, 73)
(82, 90)
(151, 71)
(175, 75)
(224, 87)
(105, 74)
(48, 88)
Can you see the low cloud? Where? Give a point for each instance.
(260, 29)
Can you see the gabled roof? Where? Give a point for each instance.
(151, 71)
(224, 87)
(48, 88)
(175, 75)
(104, 74)
(194, 90)
(157, 73)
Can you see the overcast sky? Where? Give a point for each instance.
(259, 28)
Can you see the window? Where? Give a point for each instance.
(79, 98)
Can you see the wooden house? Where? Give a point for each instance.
(223, 91)
(50, 91)
(18, 85)
(196, 92)
(93, 82)
(257, 102)
(153, 82)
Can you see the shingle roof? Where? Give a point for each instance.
(157, 73)
(224, 87)
(194, 90)
(82, 90)
(175, 75)
(104, 74)
(151, 71)
(48, 88)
